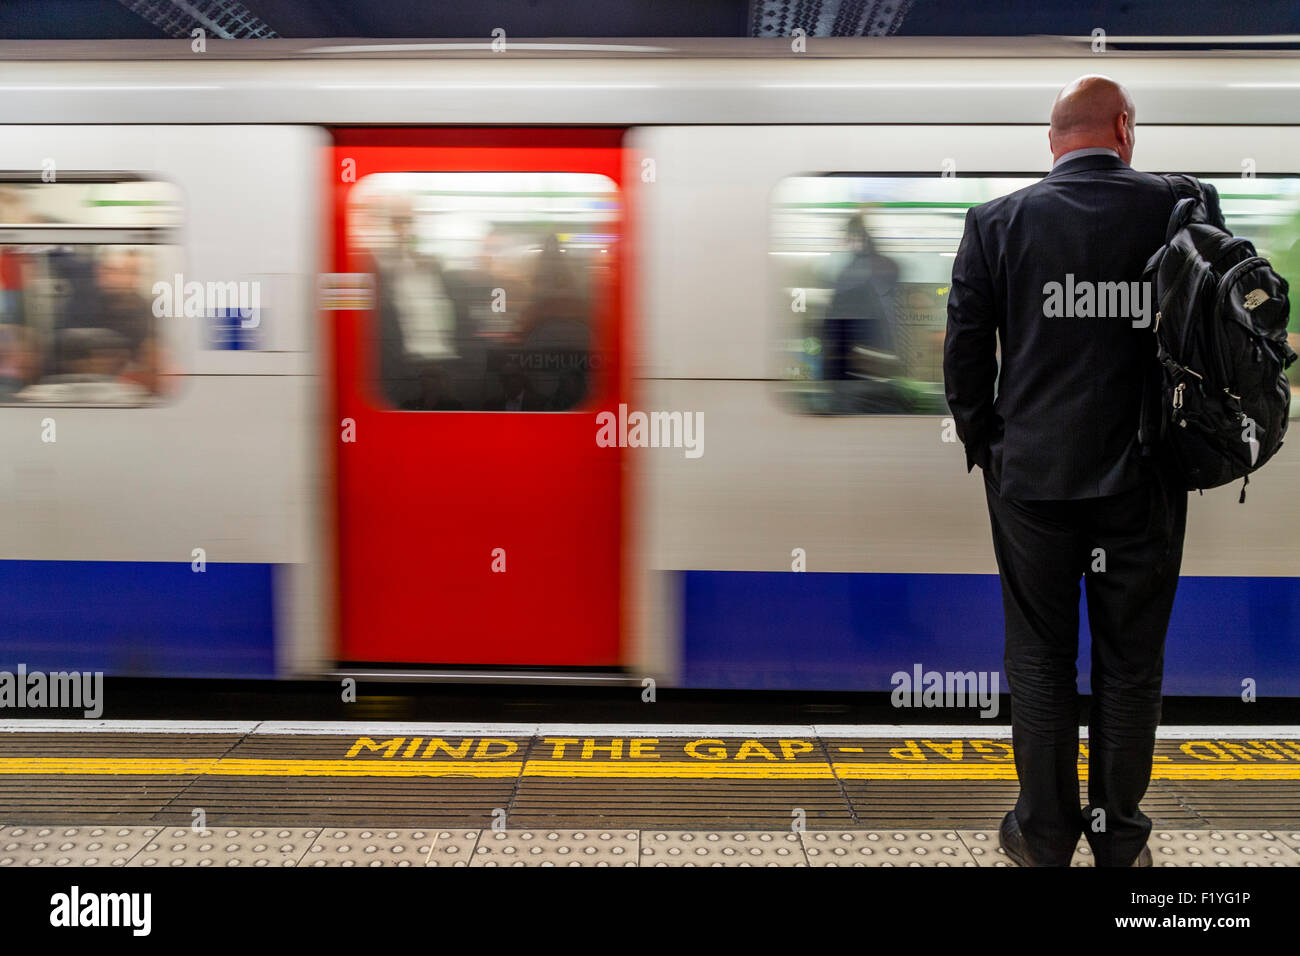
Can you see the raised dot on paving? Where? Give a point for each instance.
(339, 846)
(1220, 848)
(556, 848)
(886, 848)
(226, 846)
(452, 847)
(71, 845)
(721, 848)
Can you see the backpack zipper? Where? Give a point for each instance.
(1178, 393)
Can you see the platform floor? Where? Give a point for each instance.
(160, 794)
(141, 846)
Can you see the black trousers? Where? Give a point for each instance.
(1128, 549)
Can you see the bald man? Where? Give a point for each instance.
(1069, 491)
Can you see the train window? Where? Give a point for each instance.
(489, 287)
(78, 261)
(863, 265)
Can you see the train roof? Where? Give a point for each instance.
(672, 48)
(891, 80)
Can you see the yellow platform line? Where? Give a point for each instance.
(1007, 771)
(234, 767)
(667, 769)
(161, 766)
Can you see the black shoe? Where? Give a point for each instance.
(1012, 841)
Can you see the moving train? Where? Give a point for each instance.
(509, 364)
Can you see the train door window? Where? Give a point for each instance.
(863, 265)
(79, 260)
(490, 287)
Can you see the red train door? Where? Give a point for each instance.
(478, 521)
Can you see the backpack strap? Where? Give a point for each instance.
(1186, 187)
(1191, 205)
(1197, 202)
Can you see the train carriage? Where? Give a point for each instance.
(280, 491)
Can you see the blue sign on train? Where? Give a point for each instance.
(233, 329)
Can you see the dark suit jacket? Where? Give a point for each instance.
(398, 370)
(1064, 423)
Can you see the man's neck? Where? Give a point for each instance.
(1081, 151)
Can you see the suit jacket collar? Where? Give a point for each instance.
(1088, 163)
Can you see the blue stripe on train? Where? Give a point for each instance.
(839, 631)
(139, 618)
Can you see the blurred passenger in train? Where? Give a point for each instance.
(858, 336)
(417, 318)
(499, 286)
(14, 347)
(488, 298)
(61, 283)
(556, 294)
(1054, 429)
(18, 364)
(94, 360)
(14, 209)
(120, 304)
(556, 334)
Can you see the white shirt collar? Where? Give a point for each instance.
(1086, 151)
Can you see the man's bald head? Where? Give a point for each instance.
(1093, 111)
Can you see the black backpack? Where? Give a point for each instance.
(1223, 398)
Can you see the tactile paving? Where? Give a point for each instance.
(357, 847)
(721, 848)
(71, 846)
(985, 851)
(887, 848)
(453, 847)
(1220, 848)
(556, 848)
(225, 846)
(1290, 837)
(1168, 848)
